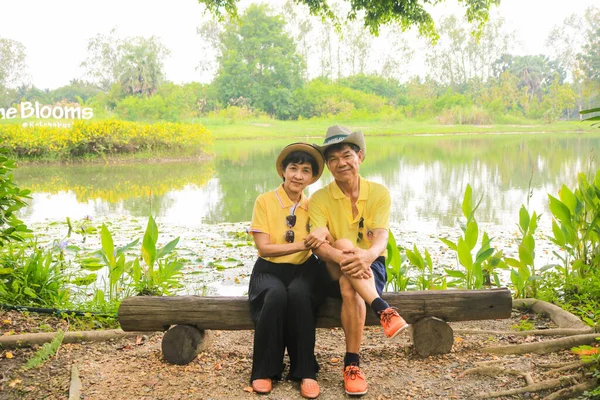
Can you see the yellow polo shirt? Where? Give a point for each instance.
(329, 207)
(268, 216)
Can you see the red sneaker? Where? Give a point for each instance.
(392, 322)
(354, 381)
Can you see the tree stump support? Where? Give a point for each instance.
(432, 336)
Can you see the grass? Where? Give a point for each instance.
(314, 128)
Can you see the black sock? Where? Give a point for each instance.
(378, 305)
(351, 358)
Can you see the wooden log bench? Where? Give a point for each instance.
(188, 320)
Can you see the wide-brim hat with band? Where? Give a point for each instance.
(305, 147)
(340, 134)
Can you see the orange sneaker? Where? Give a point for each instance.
(392, 322)
(309, 389)
(262, 385)
(354, 381)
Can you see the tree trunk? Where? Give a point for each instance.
(432, 336)
(150, 313)
(182, 343)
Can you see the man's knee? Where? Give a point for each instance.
(348, 292)
(343, 244)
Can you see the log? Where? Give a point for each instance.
(182, 343)
(155, 313)
(29, 339)
(547, 346)
(432, 336)
(75, 386)
(560, 317)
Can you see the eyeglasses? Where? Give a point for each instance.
(290, 221)
(361, 225)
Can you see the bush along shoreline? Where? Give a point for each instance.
(103, 138)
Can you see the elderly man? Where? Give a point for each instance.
(351, 217)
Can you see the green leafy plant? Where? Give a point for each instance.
(426, 278)
(161, 270)
(576, 227)
(524, 324)
(590, 357)
(479, 270)
(12, 199)
(46, 351)
(523, 274)
(397, 270)
(31, 276)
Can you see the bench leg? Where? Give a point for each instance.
(432, 336)
(182, 343)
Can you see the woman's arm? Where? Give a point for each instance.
(267, 249)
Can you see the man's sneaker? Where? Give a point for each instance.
(392, 322)
(354, 381)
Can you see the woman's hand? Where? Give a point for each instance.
(317, 237)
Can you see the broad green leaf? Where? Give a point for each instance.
(472, 234)
(455, 274)
(169, 247)
(529, 243)
(467, 204)
(484, 255)
(525, 255)
(559, 210)
(450, 244)
(149, 243)
(568, 198)
(5, 271)
(428, 259)
(415, 258)
(29, 292)
(128, 246)
(85, 280)
(464, 254)
(533, 223)
(523, 219)
(512, 262)
(108, 246)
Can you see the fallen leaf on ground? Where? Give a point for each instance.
(15, 383)
(8, 355)
(248, 389)
(334, 360)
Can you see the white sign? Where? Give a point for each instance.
(35, 110)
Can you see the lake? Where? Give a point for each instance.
(208, 203)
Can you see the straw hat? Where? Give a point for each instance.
(340, 134)
(305, 147)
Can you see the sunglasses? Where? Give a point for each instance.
(361, 225)
(290, 221)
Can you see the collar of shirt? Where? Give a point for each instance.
(285, 201)
(363, 193)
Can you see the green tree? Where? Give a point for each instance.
(407, 13)
(12, 63)
(141, 66)
(459, 57)
(560, 98)
(258, 61)
(136, 63)
(76, 91)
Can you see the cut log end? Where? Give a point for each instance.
(182, 343)
(432, 336)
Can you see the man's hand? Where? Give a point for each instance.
(357, 263)
(317, 237)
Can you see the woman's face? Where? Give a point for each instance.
(297, 176)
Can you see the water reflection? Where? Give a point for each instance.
(426, 177)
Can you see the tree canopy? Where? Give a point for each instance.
(407, 13)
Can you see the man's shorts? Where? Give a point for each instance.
(332, 288)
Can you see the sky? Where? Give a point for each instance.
(55, 33)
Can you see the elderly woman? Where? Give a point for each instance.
(282, 293)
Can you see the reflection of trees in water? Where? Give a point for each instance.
(427, 175)
(137, 188)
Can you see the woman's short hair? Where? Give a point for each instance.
(301, 157)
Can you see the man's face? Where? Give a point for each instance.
(344, 163)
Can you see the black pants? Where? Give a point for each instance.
(283, 304)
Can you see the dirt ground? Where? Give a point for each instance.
(133, 368)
